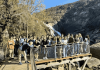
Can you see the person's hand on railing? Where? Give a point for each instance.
(39, 45)
(45, 46)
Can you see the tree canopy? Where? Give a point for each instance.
(18, 15)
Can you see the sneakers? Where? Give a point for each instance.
(20, 63)
(26, 62)
(36, 59)
(9, 58)
(12, 58)
(45, 58)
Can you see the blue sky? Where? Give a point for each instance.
(53, 3)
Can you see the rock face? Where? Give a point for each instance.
(81, 16)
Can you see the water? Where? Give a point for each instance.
(52, 30)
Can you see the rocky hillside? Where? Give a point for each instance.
(81, 16)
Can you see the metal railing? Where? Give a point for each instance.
(60, 51)
(64, 50)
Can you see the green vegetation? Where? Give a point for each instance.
(22, 16)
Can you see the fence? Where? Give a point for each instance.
(62, 53)
(64, 50)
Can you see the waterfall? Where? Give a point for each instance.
(52, 30)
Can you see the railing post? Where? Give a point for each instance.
(33, 65)
(55, 51)
(85, 64)
(69, 66)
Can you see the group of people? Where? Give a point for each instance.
(22, 45)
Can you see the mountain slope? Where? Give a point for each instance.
(81, 16)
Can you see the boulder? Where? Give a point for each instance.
(93, 62)
(1, 55)
(95, 50)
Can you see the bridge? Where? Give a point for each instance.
(58, 61)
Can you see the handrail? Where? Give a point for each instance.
(33, 64)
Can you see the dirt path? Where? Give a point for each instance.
(13, 64)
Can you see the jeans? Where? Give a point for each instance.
(64, 49)
(75, 48)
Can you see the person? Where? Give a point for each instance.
(10, 46)
(86, 44)
(24, 43)
(16, 46)
(70, 45)
(36, 47)
(80, 37)
(54, 40)
(64, 45)
(44, 45)
(81, 42)
(62, 36)
(49, 41)
(76, 44)
(21, 50)
(41, 42)
(68, 36)
(38, 39)
(30, 40)
(21, 40)
(58, 40)
(71, 39)
(58, 47)
(14, 38)
(24, 37)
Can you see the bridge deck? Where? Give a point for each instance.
(56, 59)
(44, 63)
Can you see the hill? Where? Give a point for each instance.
(81, 16)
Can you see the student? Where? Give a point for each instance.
(58, 40)
(24, 43)
(44, 45)
(44, 42)
(62, 36)
(21, 50)
(30, 40)
(80, 37)
(16, 46)
(58, 48)
(88, 38)
(54, 41)
(41, 42)
(36, 47)
(68, 36)
(49, 41)
(71, 39)
(64, 46)
(70, 45)
(86, 44)
(14, 38)
(10, 46)
(76, 44)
